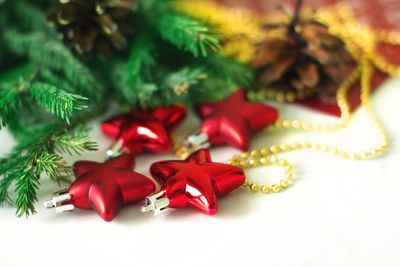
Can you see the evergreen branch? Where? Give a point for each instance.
(12, 84)
(231, 70)
(131, 76)
(180, 81)
(76, 142)
(26, 188)
(30, 16)
(53, 166)
(31, 158)
(186, 33)
(9, 104)
(51, 53)
(56, 101)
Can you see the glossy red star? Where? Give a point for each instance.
(196, 181)
(105, 187)
(145, 129)
(231, 121)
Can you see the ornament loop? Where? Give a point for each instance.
(156, 203)
(58, 200)
(115, 150)
(193, 143)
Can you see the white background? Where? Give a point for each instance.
(337, 213)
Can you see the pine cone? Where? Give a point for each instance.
(94, 25)
(303, 58)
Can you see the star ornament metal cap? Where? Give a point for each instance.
(103, 187)
(195, 182)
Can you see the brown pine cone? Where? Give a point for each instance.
(302, 57)
(94, 25)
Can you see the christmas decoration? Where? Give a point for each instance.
(94, 25)
(301, 56)
(230, 121)
(49, 92)
(104, 187)
(143, 129)
(241, 41)
(195, 182)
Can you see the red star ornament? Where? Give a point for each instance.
(104, 187)
(196, 182)
(233, 120)
(144, 129)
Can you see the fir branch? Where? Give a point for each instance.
(53, 166)
(51, 53)
(75, 142)
(30, 16)
(31, 158)
(56, 101)
(186, 33)
(231, 70)
(13, 84)
(26, 188)
(181, 81)
(9, 104)
(138, 67)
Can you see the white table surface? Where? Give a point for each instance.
(338, 212)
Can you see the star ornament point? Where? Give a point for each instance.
(233, 120)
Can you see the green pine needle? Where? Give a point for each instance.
(56, 101)
(53, 166)
(131, 76)
(26, 188)
(75, 143)
(187, 33)
(181, 81)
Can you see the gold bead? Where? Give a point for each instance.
(254, 153)
(282, 162)
(253, 163)
(306, 145)
(274, 149)
(278, 124)
(243, 165)
(344, 154)
(264, 151)
(273, 159)
(295, 146)
(246, 183)
(265, 189)
(276, 188)
(284, 147)
(354, 156)
(254, 187)
(290, 97)
(245, 155)
(263, 161)
(296, 124)
(284, 183)
(286, 123)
